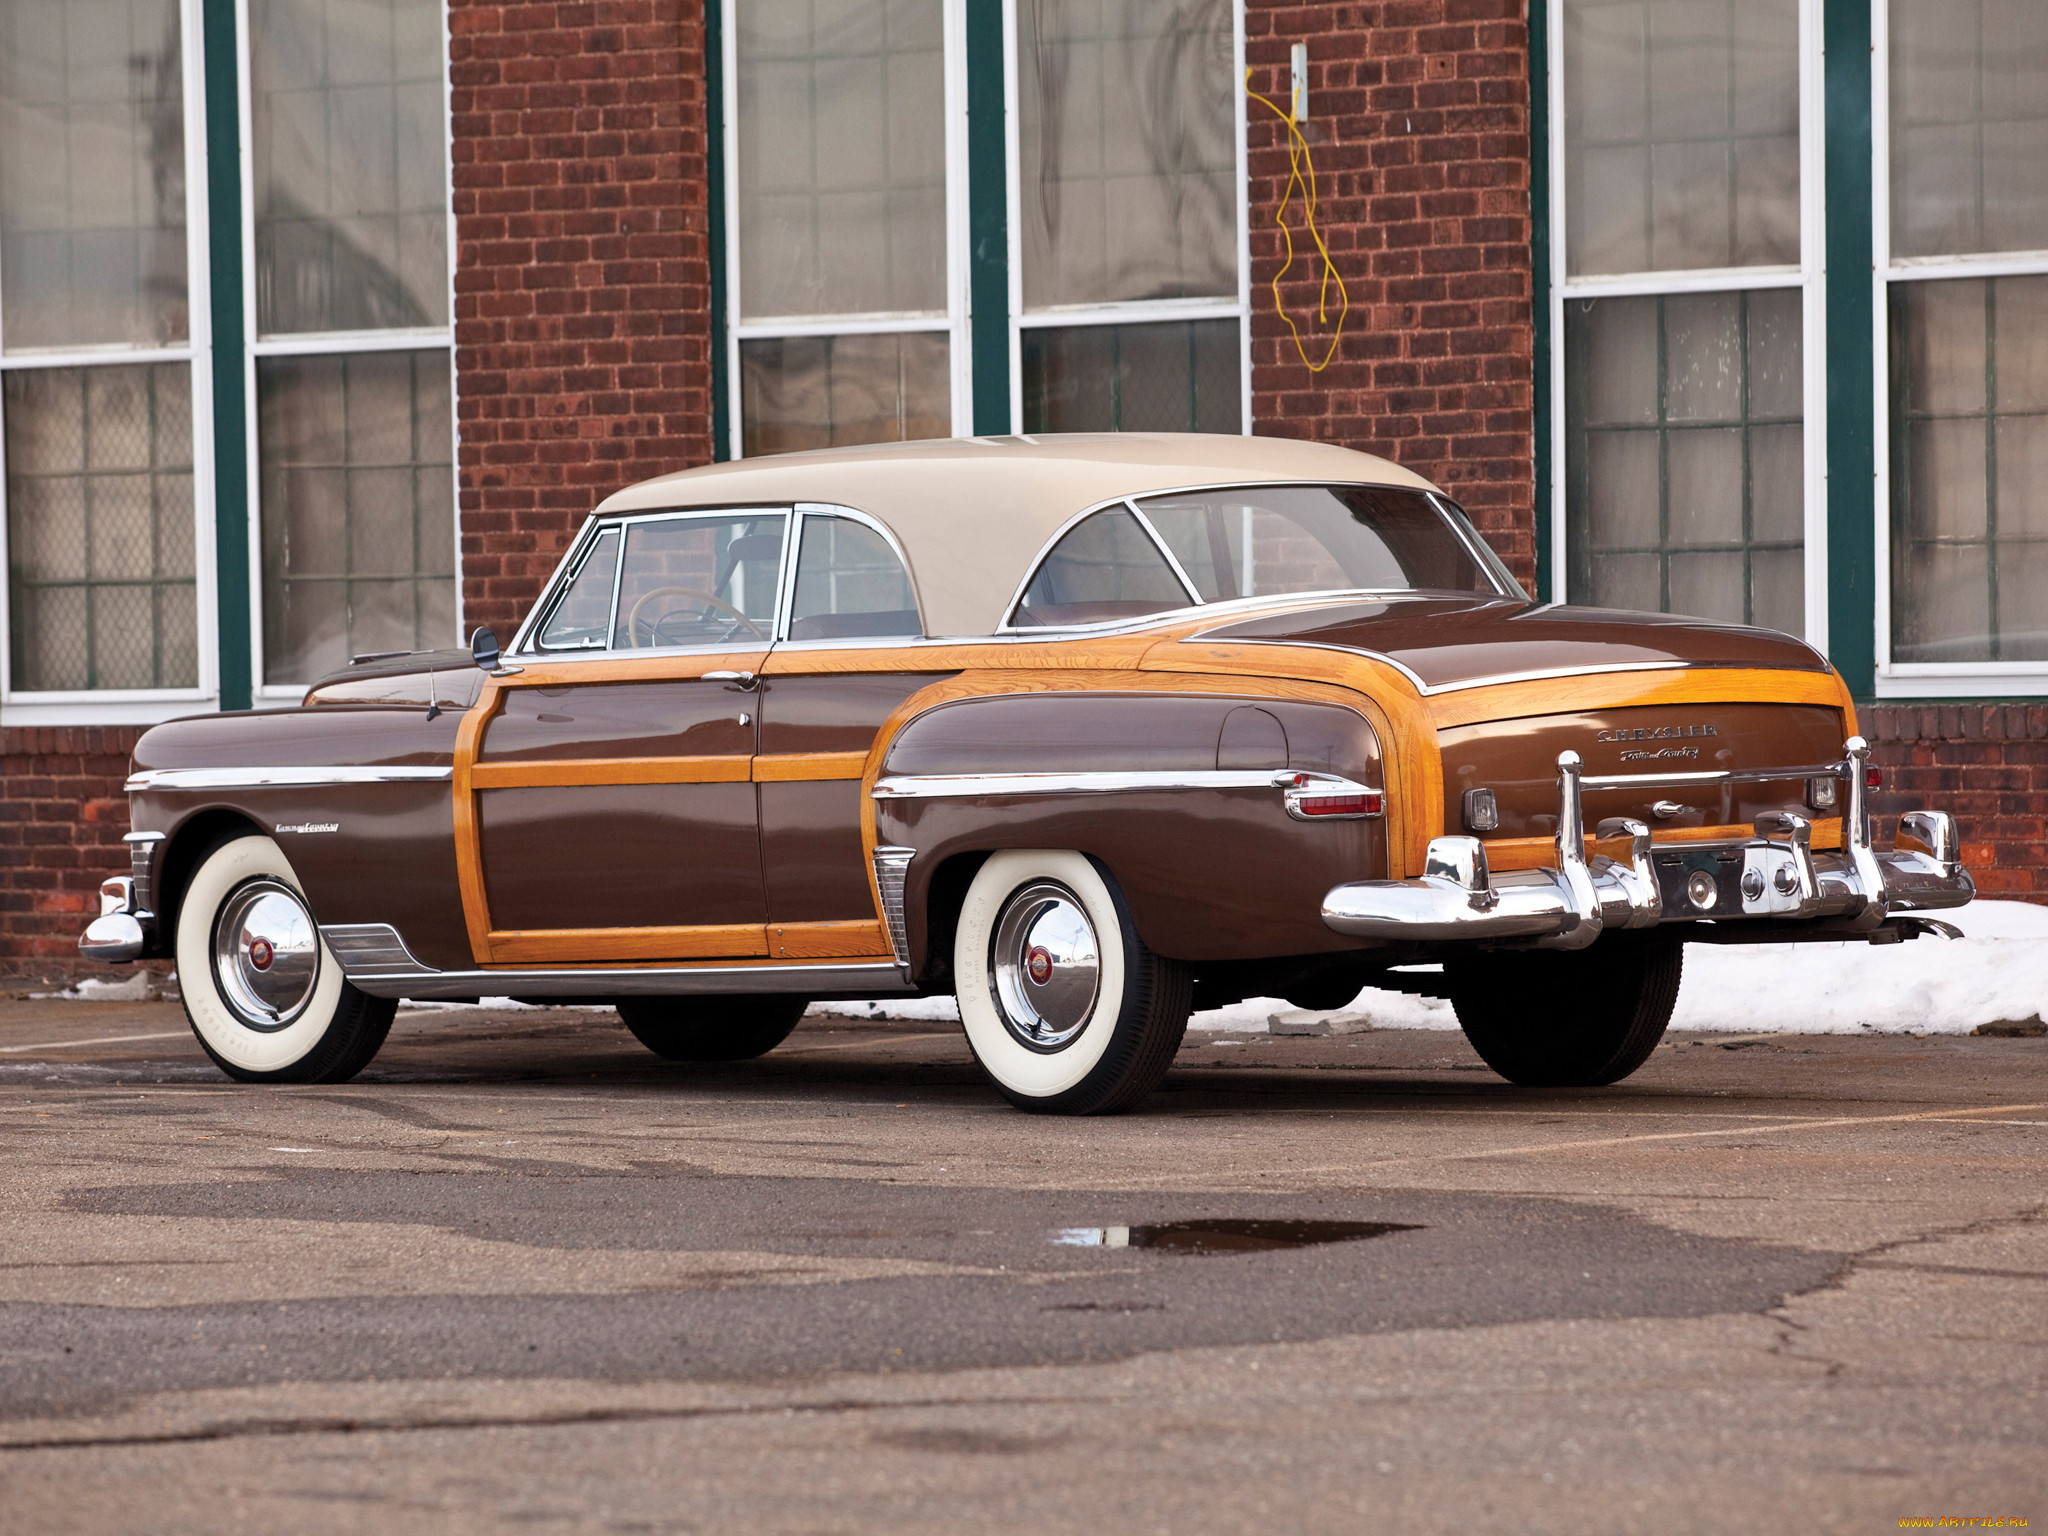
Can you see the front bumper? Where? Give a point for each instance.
(1776, 875)
(125, 927)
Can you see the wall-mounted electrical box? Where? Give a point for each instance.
(1298, 57)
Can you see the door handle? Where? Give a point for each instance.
(746, 682)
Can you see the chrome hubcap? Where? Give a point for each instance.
(1046, 966)
(266, 953)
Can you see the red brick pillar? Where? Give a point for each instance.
(1419, 129)
(582, 277)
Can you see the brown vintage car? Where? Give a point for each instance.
(1085, 731)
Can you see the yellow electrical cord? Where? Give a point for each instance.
(1298, 158)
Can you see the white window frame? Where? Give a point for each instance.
(1919, 679)
(1808, 277)
(329, 344)
(1124, 312)
(145, 706)
(954, 322)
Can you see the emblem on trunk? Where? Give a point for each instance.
(1657, 733)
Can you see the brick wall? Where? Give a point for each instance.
(62, 817)
(1418, 127)
(582, 287)
(1985, 764)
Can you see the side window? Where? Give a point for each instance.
(1105, 568)
(583, 612)
(700, 581)
(849, 584)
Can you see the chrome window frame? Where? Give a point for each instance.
(526, 642)
(1454, 517)
(558, 592)
(802, 511)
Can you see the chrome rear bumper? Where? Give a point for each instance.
(1774, 875)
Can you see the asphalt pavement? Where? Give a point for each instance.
(523, 1275)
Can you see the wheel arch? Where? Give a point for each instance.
(180, 857)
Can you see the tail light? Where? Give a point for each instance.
(1824, 794)
(1339, 805)
(1873, 776)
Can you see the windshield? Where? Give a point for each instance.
(1216, 546)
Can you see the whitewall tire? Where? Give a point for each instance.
(265, 995)
(1065, 1008)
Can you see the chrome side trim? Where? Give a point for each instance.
(877, 979)
(957, 786)
(371, 949)
(295, 777)
(892, 870)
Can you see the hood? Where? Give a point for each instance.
(1446, 642)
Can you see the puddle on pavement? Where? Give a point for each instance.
(1227, 1235)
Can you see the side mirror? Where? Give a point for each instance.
(483, 645)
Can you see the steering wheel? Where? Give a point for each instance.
(709, 600)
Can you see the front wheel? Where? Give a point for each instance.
(711, 1028)
(1065, 1008)
(1568, 1019)
(262, 990)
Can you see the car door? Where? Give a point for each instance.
(847, 660)
(609, 783)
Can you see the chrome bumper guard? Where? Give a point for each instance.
(1776, 874)
(116, 935)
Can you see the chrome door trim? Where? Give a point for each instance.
(954, 786)
(295, 777)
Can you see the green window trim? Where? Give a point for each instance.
(234, 573)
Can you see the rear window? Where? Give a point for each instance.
(1160, 553)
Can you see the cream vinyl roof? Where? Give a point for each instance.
(972, 513)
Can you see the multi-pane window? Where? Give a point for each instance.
(1682, 309)
(1128, 272)
(1691, 456)
(96, 421)
(357, 485)
(847, 250)
(1681, 134)
(350, 313)
(845, 307)
(1966, 98)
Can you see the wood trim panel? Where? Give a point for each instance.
(1383, 694)
(1541, 852)
(1408, 831)
(551, 774)
(1622, 690)
(469, 866)
(540, 946)
(855, 939)
(796, 767)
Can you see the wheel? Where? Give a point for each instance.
(711, 1028)
(1065, 1008)
(264, 993)
(1569, 1019)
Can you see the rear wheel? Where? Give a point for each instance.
(1065, 1008)
(1568, 1019)
(711, 1028)
(264, 994)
